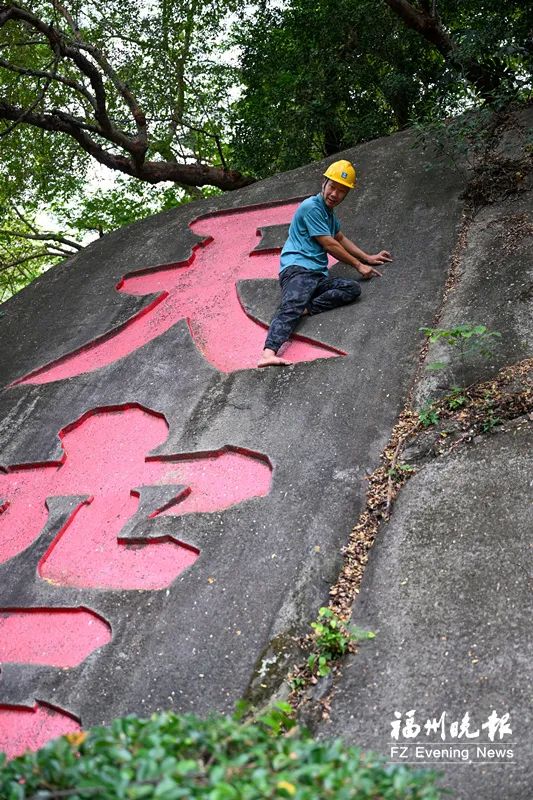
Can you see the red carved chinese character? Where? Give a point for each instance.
(106, 463)
(202, 290)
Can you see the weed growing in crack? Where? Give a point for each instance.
(457, 398)
(278, 719)
(468, 340)
(398, 471)
(297, 682)
(490, 421)
(332, 639)
(428, 415)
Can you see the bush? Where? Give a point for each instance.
(169, 757)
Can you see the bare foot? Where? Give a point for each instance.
(270, 359)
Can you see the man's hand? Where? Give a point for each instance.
(346, 251)
(368, 272)
(379, 258)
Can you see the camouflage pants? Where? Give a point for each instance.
(306, 289)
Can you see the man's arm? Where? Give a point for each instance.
(335, 247)
(378, 258)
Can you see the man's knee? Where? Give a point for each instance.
(353, 291)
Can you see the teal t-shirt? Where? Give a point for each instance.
(312, 218)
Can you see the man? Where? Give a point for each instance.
(306, 287)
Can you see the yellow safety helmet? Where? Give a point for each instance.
(341, 172)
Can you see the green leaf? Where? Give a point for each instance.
(224, 791)
(359, 634)
(166, 789)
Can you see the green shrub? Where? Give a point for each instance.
(169, 757)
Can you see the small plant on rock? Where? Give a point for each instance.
(490, 421)
(332, 639)
(460, 141)
(428, 415)
(468, 339)
(398, 471)
(457, 398)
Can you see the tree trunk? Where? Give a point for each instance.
(484, 78)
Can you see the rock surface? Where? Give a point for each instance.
(448, 594)
(266, 562)
(268, 466)
(448, 585)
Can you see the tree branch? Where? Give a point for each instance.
(68, 17)
(424, 23)
(59, 45)
(25, 112)
(95, 68)
(485, 78)
(37, 73)
(43, 237)
(25, 259)
(177, 115)
(150, 171)
(125, 92)
(22, 217)
(55, 250)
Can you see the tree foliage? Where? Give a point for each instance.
(121, 81)
(26, 249)
(487, 42)
(321, 77)
(137, 87)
